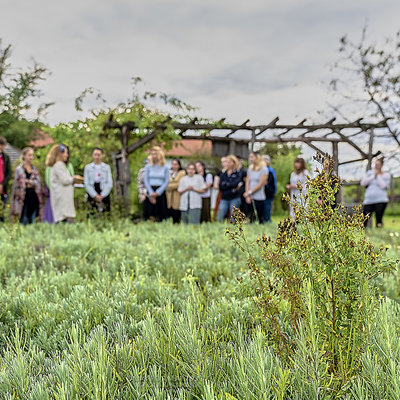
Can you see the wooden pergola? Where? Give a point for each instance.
(246, 136)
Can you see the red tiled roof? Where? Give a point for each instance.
(42, 139)
(190, 147)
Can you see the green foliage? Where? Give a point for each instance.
(123, 311)
(18, 88)
(318, 276)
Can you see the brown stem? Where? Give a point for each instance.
(334, 323)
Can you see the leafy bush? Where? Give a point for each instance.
(317, 276)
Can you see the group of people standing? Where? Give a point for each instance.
(185, 195)
(176, 193)
(53, 200)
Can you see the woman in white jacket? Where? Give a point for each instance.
(377, 183)
(98, 183)
(61, 184)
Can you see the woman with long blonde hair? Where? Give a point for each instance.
(156, 180)
(61, 184)
(27, 189)
(257, 177)
(230, 183)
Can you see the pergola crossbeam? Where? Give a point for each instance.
(272, 132)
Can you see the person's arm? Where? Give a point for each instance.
(162, 188)
(36, 178)
(289, 186)
(200, 187)
(89, 188)
(174, 183)
(182, 188)
(383, 181)
(208, 182)
(247, 186)
(216, 182)
(368, 178)
(109, 183)
(147, 180)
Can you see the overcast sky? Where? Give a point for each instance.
(235, 59)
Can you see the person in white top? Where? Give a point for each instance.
(375, 201)
(191, 187)
(299, 175)
(257, 178)
(98, 183)
(206, 196)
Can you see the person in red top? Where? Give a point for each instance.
(5, 175)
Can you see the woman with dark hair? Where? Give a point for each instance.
(98, 184)
(375, 201)
(298, 176)
(173, 196)
(156, 180)
(190, 188)
(27, 189)
(206, 196)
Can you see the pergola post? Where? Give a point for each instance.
(370, 148)
(335, 156)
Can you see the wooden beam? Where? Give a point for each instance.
(142, 141)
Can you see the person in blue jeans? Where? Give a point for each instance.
(270, 189)
(230, 184)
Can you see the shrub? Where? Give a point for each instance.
(318, 272)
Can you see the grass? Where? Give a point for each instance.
(155, 311)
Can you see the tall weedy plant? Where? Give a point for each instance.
(324, 254)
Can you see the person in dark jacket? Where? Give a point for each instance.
(230, 185)
(5, 175)
(270, 189)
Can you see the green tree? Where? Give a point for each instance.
(146, 109)
(18, 90)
